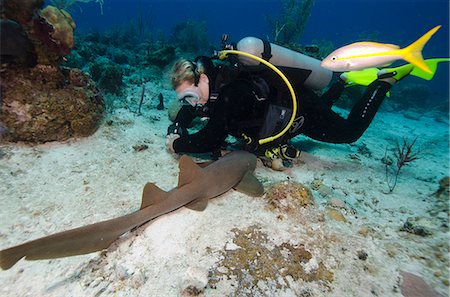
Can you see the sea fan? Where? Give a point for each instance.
(404, 155)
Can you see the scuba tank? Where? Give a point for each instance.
(318, 77)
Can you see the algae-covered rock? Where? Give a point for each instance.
(288, 196)
(44, 103)
(444, 188)
(257, 260)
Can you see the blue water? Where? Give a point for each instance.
(398, 21)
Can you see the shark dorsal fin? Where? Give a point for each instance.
(189, 170)
(250, 185)
(152, 195)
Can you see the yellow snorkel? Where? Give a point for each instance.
(223, 54)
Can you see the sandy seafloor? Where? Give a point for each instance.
(58, 186)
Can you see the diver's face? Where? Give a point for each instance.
(189, 93)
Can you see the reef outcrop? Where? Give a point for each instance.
(40, 100)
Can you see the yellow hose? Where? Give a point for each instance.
(223, 54)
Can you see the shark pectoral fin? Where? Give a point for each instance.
(204, 164)
(152, 195)
(250, 185)
(198, 204)
(189, 170)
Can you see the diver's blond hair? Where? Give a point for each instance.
(183, 70)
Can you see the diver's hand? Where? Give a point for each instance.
(170, 138)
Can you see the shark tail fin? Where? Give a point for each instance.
(189, 170)
(413, 52)
(152, 194)
(11, 256)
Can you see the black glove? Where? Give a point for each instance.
(176, 129)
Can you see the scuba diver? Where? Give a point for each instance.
(251, 102)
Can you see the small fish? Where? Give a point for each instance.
(361, 55)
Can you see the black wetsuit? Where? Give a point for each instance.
(237, 104)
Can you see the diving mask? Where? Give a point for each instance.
(189, 96)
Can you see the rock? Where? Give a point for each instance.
(335, 214)
(337, 203)
(444, 188)
(277, 165)
(412, 227)
(230, 246)
(362, 255)
(414, 286)
(412, 115)
(138, 278)
(194, 282)
(363, 231)
(140, 147)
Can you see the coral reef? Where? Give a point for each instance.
(49, 30)
(160, 54)
(252, 258)
(45, 104)
(41, 101)
(15, 47)
(21, 11)
(108, 76)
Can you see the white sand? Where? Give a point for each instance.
(58, 186)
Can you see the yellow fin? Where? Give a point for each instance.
(152, 194)
(189, 170)
(413, 52)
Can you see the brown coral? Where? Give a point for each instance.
(62, 27)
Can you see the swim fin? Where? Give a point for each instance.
(432, 64)
(366, 76)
